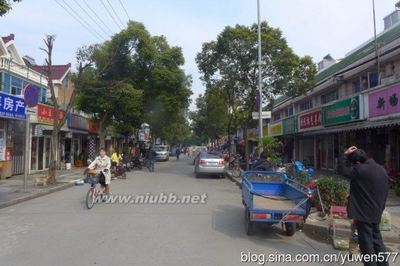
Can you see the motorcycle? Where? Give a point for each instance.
(119, 170)
(136, 162)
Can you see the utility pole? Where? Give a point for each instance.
(260, 120)
(376, 45)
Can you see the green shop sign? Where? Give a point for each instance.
(344, 111)
(289, 125)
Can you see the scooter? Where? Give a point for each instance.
(136, 163)
(119, 170)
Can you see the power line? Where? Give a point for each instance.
(126, 12)
(91, 18)
(84, 21)
(80, 22)
(115, 13)
(97, 16)
(109, 13)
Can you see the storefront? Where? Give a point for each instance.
(42, 128)
(78, 126)
(289, 129)
(309, 125)
(384, 106)
(337, 114)
(12, 132)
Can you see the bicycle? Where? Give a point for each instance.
(234, 165)
(96, 190)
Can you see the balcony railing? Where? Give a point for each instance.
(23, 71)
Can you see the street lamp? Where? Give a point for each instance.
(260, 121)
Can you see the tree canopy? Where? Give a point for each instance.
(138, 78)
(231, 62)
(6, 6)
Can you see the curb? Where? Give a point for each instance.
(234, 180)
(36, 195)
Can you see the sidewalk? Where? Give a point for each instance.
(317, 228)
(12, 192)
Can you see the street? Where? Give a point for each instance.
(57, 229)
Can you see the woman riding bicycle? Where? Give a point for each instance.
(102, 164)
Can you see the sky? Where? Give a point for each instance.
(311, 27)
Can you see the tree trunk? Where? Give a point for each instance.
(102, 136)
(53, 157)
(246, 147)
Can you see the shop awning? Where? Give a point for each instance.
(77, 131)
(50, 128)
(355, 126)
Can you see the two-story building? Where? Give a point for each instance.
(16, 72)
(14, 76)
(352, 103)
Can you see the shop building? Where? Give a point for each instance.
(351, 104)
(15, 75)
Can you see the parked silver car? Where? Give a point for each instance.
(162, 152)
(210, 163)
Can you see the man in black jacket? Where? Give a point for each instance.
(263, 164)
(369, 186)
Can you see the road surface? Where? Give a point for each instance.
(57, 229)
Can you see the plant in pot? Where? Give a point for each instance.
(326, 187)
(341, 192)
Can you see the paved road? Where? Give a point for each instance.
(58, 230)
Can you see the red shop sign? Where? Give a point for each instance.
(310, 120)
(45, 114)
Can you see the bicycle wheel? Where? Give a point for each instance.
(90, 198)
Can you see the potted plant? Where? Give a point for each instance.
(326, 187)
(341, 192)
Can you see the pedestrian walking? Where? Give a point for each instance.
(178, 152)
(369, 186)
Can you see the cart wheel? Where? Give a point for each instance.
(290, 229)
(249, 225)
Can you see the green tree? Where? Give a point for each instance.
(137, 78)
(5, 6)
(210, 121)
(167, 97)
(232, 60)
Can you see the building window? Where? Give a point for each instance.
(289, 111)
(65, 82)
(306, 105)
(329, 97)
(356, 85)
(43, 98)
(373, 80)
(6, 84)
(276, 116)
(16, 86)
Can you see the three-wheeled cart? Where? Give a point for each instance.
(270, 197)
